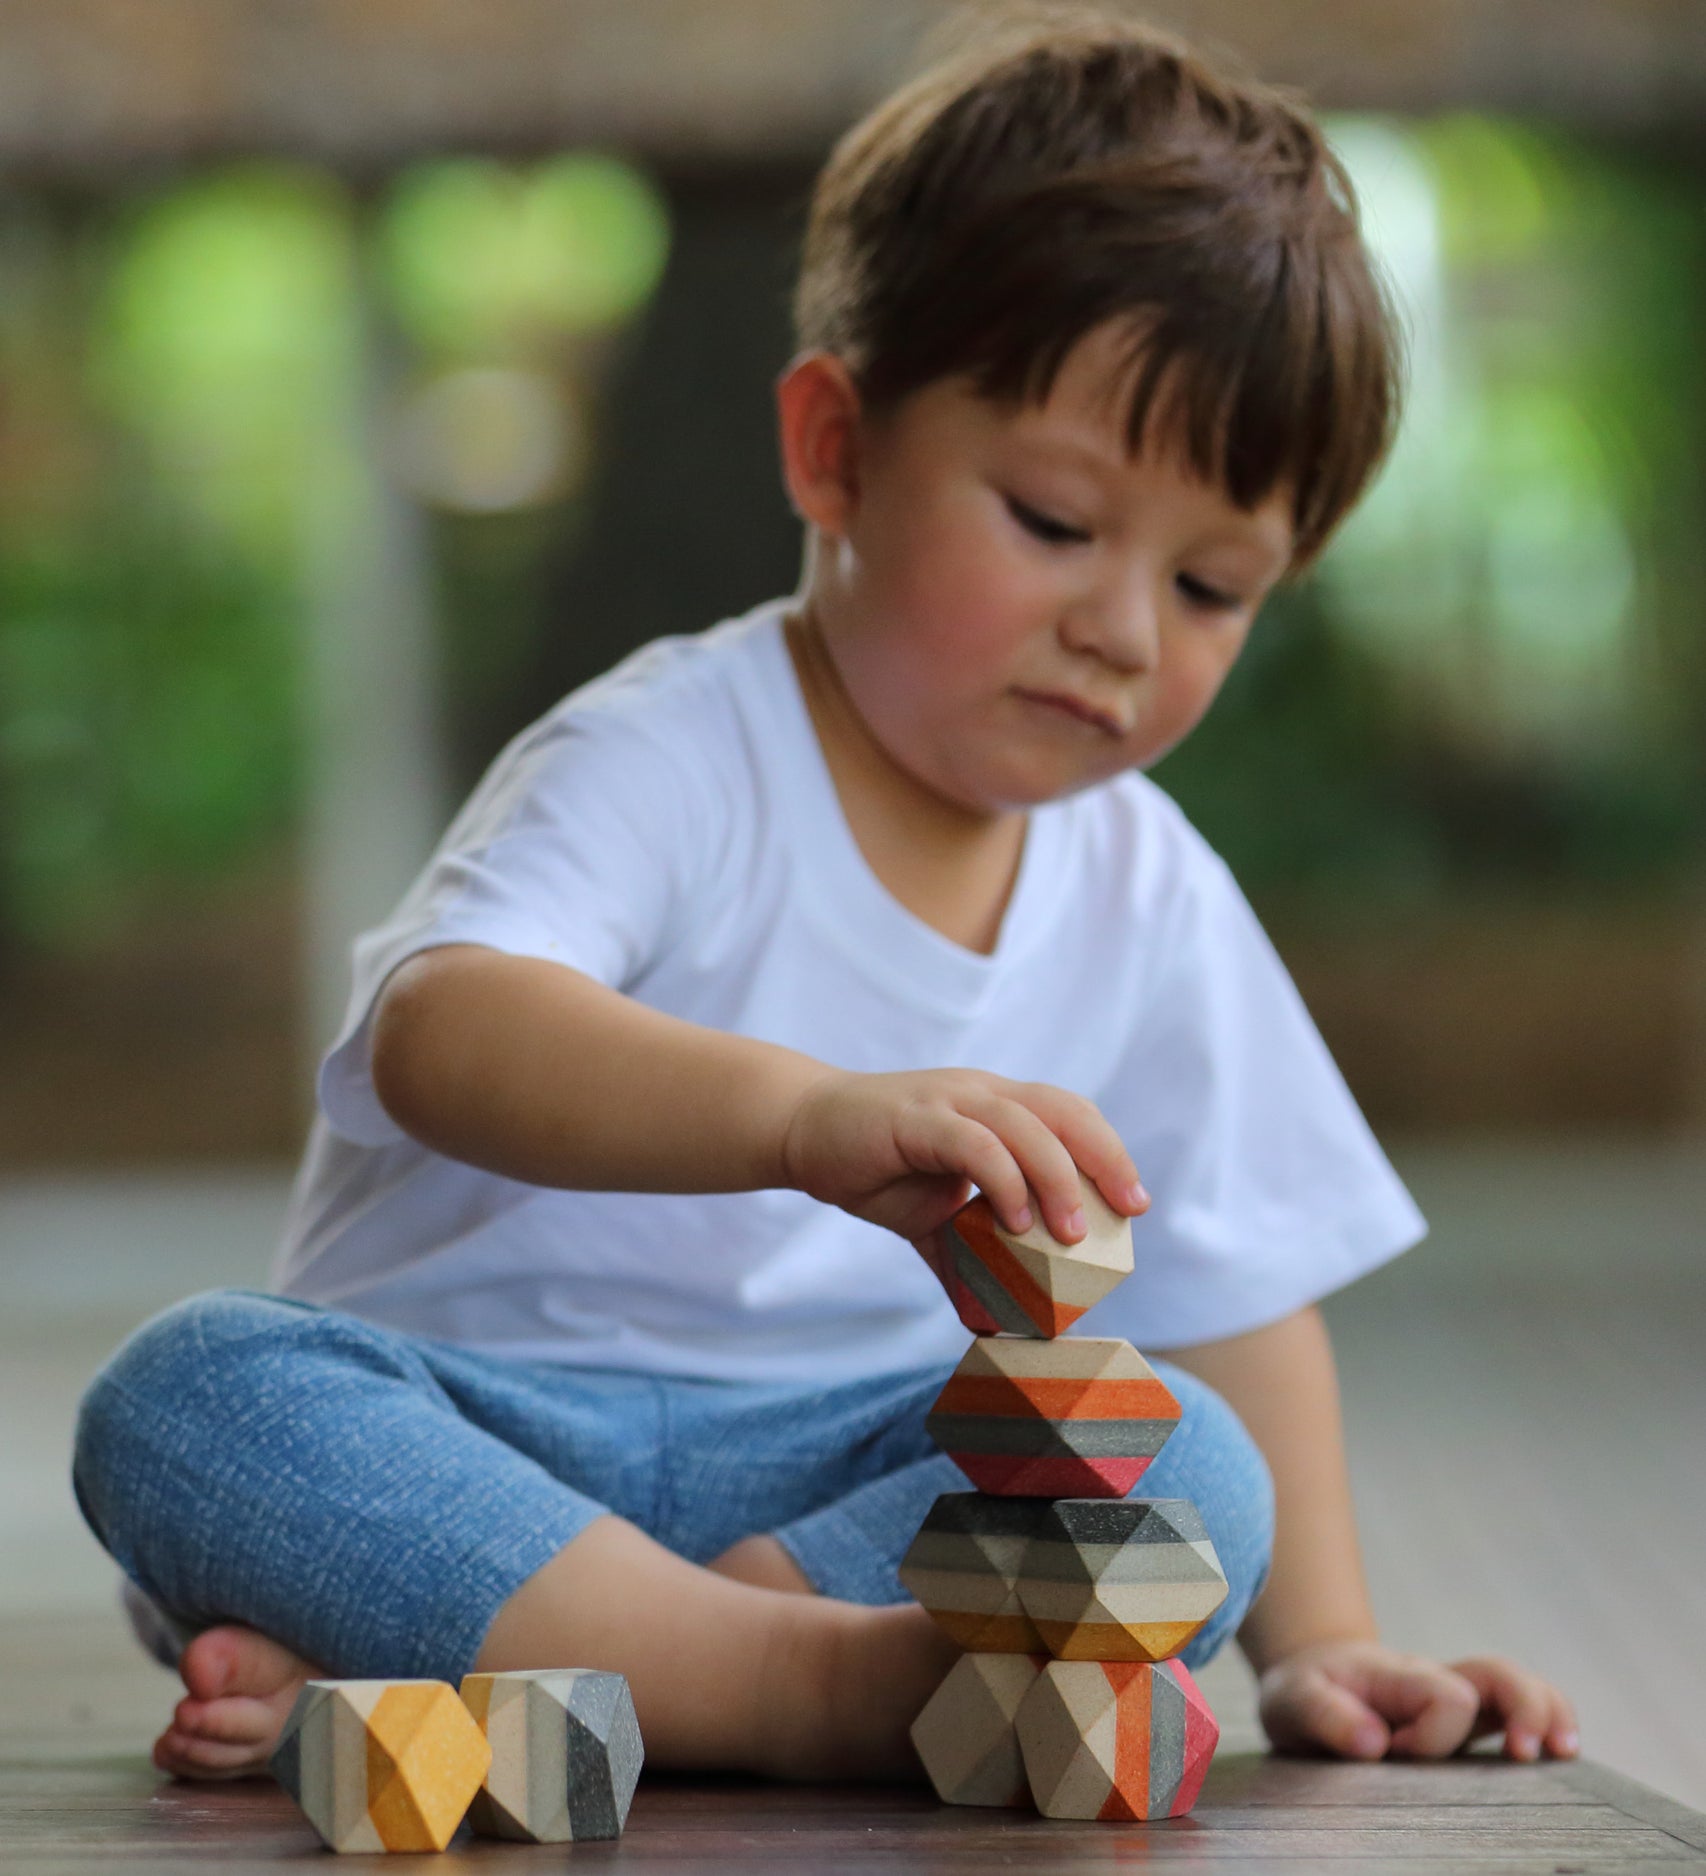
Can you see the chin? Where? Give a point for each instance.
(1011, 792)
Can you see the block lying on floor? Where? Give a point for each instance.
(963, 1566)
(566, 1754)
(965, 1737)
(381, 1765)
(1118, 1741)
(1028, 1282)
(1078, 1418)
(1119, 1579)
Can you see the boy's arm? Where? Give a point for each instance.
(1326, 1678)
(536, 1071)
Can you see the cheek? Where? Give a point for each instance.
(1193, 675)
(952, 585)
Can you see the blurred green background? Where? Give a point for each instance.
(319, 483)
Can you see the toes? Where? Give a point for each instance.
(237, 1720)
(186, 1756)
(208, 1661)
(233, 1660)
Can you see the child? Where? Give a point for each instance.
(598, 1336)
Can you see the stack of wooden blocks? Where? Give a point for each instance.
(548, 1756)
(1072, 1599)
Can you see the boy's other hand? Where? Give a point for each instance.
(905, 1149)
(1363, 1700)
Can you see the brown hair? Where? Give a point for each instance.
(1067, 167)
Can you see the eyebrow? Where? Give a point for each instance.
(1095, 456)
(1064, 443)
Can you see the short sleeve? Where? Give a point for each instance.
(581, 846)
(1268, 1188)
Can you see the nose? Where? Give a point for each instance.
(1120, 624)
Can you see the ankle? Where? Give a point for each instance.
(794, 1728)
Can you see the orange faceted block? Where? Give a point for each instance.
(1116, 1741)
(381, 1765)
(1028, 1282)
(1081, 1417)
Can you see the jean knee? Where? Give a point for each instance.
(1221, 1469)
(191, 1353)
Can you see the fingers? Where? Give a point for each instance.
(1360, 1699)
(1022, 1144)
(1044, 1163)
(1533, 1715)
(1091, 1143)
(1312, 1712)
(1051, 1134)
(1432, 1708)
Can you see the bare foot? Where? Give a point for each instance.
(762, 1562)
(854, 1699)
(888, 1674)
(241, 1686)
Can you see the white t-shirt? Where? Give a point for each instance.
(672, 830)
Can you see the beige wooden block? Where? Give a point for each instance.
(963, 1566)
(1028, 1282)
(1119, 1579)
(965, 1735)
(566, 1754)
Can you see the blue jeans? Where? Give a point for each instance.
(372, 1499)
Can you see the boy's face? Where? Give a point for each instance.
(1019, 609)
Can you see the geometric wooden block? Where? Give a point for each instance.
(381, 1765)
(963, 1566)
(1120, 1741)
(965, 1735)
(1028, 1282)
(1119, 1579)
(1081, 1417)
(566, 1754)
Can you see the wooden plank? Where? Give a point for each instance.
(1637, 1801)
(706, 1824)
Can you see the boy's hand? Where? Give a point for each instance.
(904, 1150)
(1363, 1700)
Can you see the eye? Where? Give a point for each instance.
(1210, 598)
(1044, 527)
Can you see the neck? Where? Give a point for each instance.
(863, 769)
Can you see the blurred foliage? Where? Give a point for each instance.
(1495, 677)
(172, 373)
(182, 371)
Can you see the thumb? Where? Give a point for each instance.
(1319, 1712)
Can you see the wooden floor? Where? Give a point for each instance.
(67, 1818)
(1524, 1401)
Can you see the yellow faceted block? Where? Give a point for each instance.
(381, 1765)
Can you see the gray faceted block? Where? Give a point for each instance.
(566, 1754)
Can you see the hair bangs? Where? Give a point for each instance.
(991, 216)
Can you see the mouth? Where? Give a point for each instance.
(1076, 707)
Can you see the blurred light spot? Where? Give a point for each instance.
(484, 258)
(1494, 180)
(226, 333)
(489, 438)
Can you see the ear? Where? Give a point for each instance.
(818, 416)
